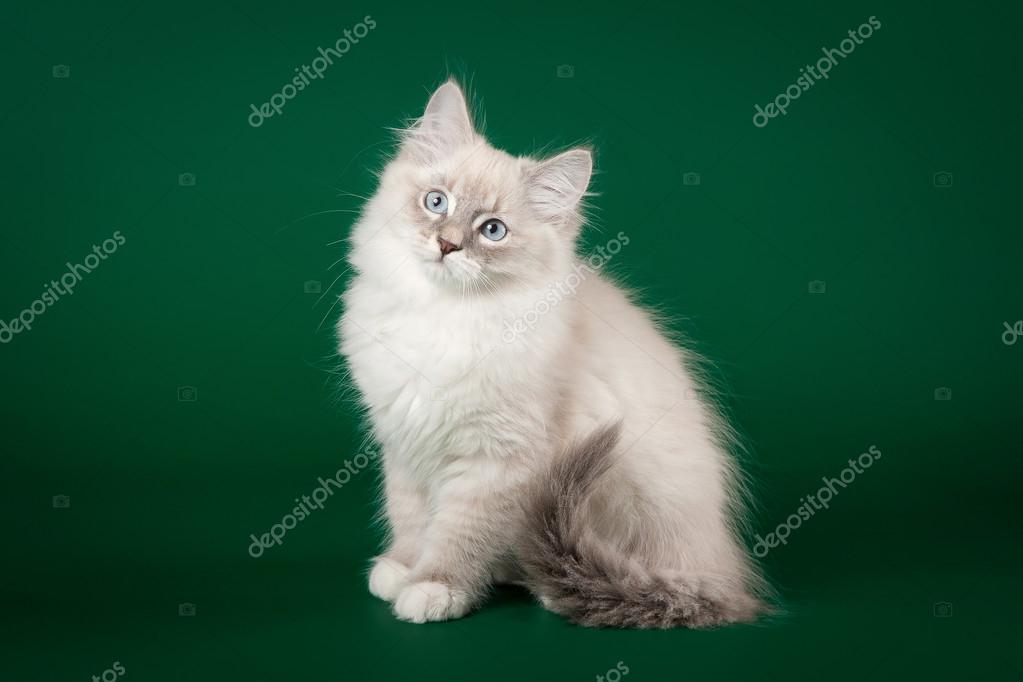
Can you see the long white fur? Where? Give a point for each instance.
(466, 418)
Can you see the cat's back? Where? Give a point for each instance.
(623, 363)
(612, 321)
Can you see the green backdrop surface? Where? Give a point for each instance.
(850, 268)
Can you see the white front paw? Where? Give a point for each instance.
(387, 578)
(429, 601)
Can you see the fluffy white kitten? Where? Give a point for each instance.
(577, 457)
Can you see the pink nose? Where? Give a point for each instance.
(447, 247)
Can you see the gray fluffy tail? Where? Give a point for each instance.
(590, 584)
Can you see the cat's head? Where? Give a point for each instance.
(471, 217)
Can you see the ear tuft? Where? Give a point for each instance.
(557, 185)
(444, 126)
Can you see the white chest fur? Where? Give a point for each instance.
(442, 381)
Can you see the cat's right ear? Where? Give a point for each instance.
(444, 127)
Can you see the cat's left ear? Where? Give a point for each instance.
(557, 185)
(444, 127)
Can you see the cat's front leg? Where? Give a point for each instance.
(407, 516)
(473, 525)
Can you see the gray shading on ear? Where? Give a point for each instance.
(557, 185)
(444, 126)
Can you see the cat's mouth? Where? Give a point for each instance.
(451, 269)
(452, 266)
(448, 268)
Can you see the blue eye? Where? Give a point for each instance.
(436, 202)
(494, 230)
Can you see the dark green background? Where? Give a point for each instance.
(208, 292)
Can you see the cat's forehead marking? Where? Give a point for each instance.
(482, 193)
